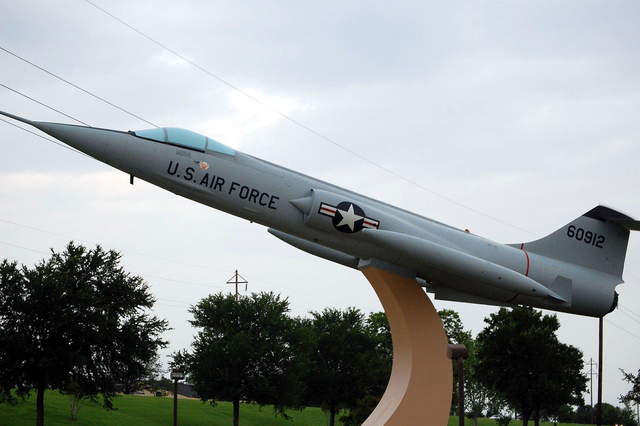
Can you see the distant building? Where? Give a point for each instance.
(185, 389)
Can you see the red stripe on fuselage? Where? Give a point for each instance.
(526, 274)
(513, 298)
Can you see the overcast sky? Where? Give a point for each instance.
(509, 118)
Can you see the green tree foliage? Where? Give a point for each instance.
(611, 415)
(378, 328)
(76, 398)
(477, 395)
(456, 334)
(520, 357)
(344, 363)
(633, 396)
(141, 377)
(453, 327)
(245, 351)
(74, 322)
(363, 409)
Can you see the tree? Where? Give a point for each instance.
(76, 397)
(456, 334)
(378, 328)
(634, 394)
(344, 363)
(143, 378)
(76, 321)
(477, 395)
(245, 351)
(611, 415)
(520, 357)
(453, 327)
(361, 412)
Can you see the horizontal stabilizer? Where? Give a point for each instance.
(607, 214)
(563, 287)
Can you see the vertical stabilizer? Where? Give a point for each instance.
(598, 239)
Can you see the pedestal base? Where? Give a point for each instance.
(421, 383)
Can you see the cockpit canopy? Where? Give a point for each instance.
(185, 138)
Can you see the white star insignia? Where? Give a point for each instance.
(349, 218)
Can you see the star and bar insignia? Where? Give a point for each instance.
(348, 217)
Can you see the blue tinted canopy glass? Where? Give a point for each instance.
(185, 138)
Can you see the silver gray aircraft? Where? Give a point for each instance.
(575, 269)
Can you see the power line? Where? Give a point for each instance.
(178, 281)
(45, 138)
(123, 251)
(623, 312)
(174, 280)
(173, 301)
(289, 289)
(166, 304)
(624, 308)
(76, 86)
(628, 332)
(292, 120)
(636, 278)
(44, 105)
(24, 248)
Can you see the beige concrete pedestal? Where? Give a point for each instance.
(419, 390)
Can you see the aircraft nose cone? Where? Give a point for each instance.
(91, 141)
(106, 145)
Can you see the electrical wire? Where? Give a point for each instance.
(623, 312)
(173, 301)
(44, 105)
(307, 128)
(172, 280)
(45, 138)
(76, 86)
(161, 278)
(617, 326)
(178, 281)
(267, 283)
(306, 310)
(205, 285)
(24, 248)
(629, 311)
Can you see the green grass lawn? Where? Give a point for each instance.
(152, 411)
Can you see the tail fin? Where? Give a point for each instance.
(598, 239)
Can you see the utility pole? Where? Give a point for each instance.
(236, 280)
(591, 373)
(600, 338)
(459, 352)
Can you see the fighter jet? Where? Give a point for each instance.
(574, 269)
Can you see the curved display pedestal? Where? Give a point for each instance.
(421, 383)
